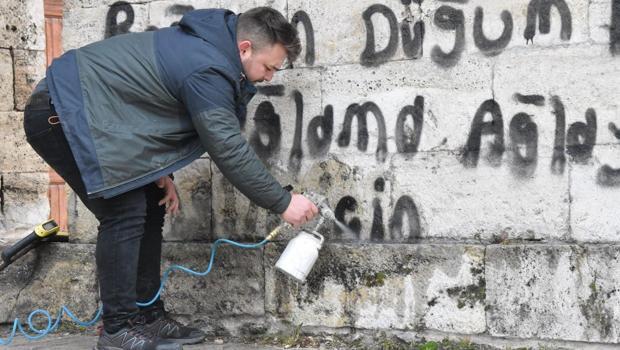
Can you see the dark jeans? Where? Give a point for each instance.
(128, 252)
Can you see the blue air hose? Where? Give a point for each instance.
(42, 332)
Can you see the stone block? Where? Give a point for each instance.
(234, 287)
(600, 20)
(16, 154)
(484, 202)
(594, 188)
(22, 25)
(29, 70)
(402, 287)
(561, 292)
(83, 26)
(194, 189)
(235, 216)
(13, 280)
(65, 275)
(7, 102)
(25, 204)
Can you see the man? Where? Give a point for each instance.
(115, 118)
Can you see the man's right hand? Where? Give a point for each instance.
(299, 211)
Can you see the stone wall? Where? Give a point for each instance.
(24, 179)
(472, 148)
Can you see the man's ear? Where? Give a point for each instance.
(245, 47)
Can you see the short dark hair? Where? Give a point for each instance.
(264, 26)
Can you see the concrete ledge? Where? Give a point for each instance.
(396, 286)
(564, 292)
(48, 277)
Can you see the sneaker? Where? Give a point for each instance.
(167, 328)
(134, 336)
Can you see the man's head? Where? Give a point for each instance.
(265, 39)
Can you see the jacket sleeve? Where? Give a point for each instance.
(209, 97)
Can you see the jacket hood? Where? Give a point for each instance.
(216, 26)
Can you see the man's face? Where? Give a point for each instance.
(260, 65)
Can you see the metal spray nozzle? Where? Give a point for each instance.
(321, 202)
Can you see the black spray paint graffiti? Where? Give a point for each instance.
(449, 18)
(369, 56)
(608, 176)
(377, 231)
(405, 208)
(319, 133)
(267, 133)
(321, 128)
(446, 18)
(614, 28)
(408, 139)
(536, 100)
(488, 122)
(412, 43)
(578, 142)
(361, 111)
(487, 46)
(294, 162)
(541, 9)
(113, 27)
(524, 145)
(558, 161)
(304, 19)
(581, 138)
(479, 128)
(344, 205)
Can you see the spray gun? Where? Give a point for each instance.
(301, 252)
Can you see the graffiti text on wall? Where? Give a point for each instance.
(450, 18)
(614, 29)
(519, 149)
(411, 31)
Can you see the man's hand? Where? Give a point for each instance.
(299, 211)
(171, 198)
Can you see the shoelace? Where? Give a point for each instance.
(169, 324)
(138, 329)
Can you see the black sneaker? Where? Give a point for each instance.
(134, 336)
(169, 329)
